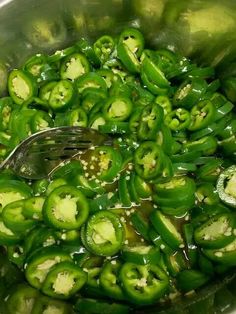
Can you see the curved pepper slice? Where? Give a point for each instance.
(103, 233)
(151, 119)
(189, 93)
(65, 208)
(7, 237)
(216, 232)
(167, 230)
(107, 161)
(14, 218)
(61, 95)
(21, 86)
(109, 279)
(22, 299)
(225, 255)
(103, 47)
(202, 114)
(64, 280)
(141, 254)
(149, 160)
(143, 284)
(117, 108)
(191, 279)
(178, 119)
(226, 186)
(41, 261)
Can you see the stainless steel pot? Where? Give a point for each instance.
(205, 30)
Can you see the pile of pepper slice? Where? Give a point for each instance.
(148, 219)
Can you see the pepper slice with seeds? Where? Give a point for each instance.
(64, 280)
(103, 233)
(143, 284)
(21, 86)
(65, 208)
(216, 232)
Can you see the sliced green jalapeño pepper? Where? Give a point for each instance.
(109, 279)
(178, 119)
(226, 186)
(175, 196)
(167, 230)
(143, 284)
(216, 232)
(65, 208)
(189, 93)
(129, 49)
(141, 254)
(191, 279)
(117, 108)
(103, 47)
(149, 160)
(14, 219)
(41, 261)
(225, 255)
(64, 280)
(21, 86)
(22, 299)
(103, 233)
(202, 115)
(61, 95)
(108, 161)
(74, 66)
(151, 119)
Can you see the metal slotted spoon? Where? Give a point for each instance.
(40, 153)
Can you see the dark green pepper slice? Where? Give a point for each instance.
(109, 279)
(61, 95)
(94, 306)
(167, 230)
(206, 193)
(151, 120)
(149, 160)
(103, 233)
(47, 304)
(226, 186)
(64, 280)
(216, 232)
(141, 254)
(84, 46)
(178, 119)
(225, 255)
(21, 86)
(191, 279)
(143, 284)
(165, 103)
(189, 93)
(108, 161)
(103, 47)
(65, 208)
(202, 114)
(175, 263)
(207, 145)
(22, 299)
